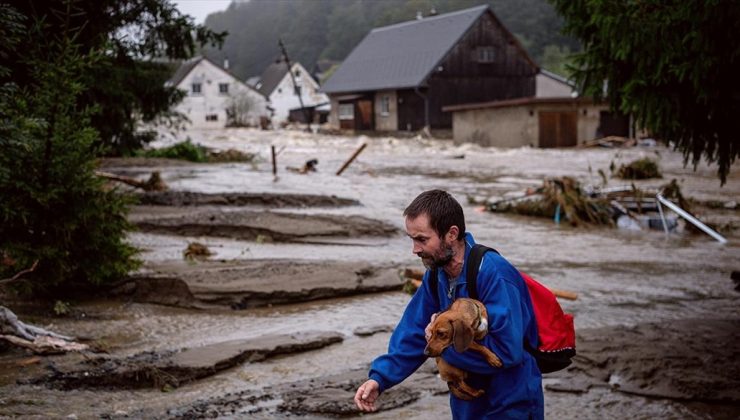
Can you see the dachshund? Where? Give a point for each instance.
(465, 320)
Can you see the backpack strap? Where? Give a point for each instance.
(473, 263)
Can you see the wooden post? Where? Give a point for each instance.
(353, 157)
(274, 162)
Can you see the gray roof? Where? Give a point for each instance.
(272, 76)
(401, 55)
(182, 71)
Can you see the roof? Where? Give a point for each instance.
(185, 68)
(517, 102)
(401, 55)
(272, 76)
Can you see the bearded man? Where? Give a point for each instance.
(436, 225)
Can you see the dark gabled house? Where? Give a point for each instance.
(399, 77)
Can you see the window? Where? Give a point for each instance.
(298, 90)
(485, 54)
(346, 111)
(211, 117)
(196, 89)
(223, 88)
(385, 105)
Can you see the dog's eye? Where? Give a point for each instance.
(441, 334)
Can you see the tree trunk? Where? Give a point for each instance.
(36, 339)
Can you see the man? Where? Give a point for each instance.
(436, 225)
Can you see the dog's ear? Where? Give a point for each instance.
(462, 335)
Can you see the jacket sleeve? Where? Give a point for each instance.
(406, 347)
(497, 289)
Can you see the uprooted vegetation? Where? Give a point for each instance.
(189, 151)
(564, 199)
(644, 168)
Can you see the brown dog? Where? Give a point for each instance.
(465, 320)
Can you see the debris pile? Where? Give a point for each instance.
(644, 168)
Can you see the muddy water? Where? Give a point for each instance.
(623, 278)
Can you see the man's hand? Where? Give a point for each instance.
(428, 329)
(366, 395)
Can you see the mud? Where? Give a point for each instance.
(170, 369)
(250, 284)
(268, 226)
(189, 198)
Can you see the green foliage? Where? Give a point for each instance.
(330, 29)
(127, 82)
(53, 209)
(644, 168)
(184, 150)
(673, 65)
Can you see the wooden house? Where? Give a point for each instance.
(399, 77)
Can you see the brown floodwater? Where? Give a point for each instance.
(622, 278)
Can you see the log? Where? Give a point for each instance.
(154, 183)
(351, 159)
(34, 338)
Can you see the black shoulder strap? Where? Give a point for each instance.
(471, 274)
(473, 264)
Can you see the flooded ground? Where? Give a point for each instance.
(637, 287)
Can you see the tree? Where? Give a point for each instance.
(135, 40)
(672, 64)
(238, 111)
(55, 214)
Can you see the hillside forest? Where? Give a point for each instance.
(328, 30)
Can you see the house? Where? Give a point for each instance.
(399, 77)
(282, 88)
(554, 117)
(216, 98)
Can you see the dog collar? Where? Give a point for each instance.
(482, 322)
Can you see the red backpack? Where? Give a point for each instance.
(555, 330)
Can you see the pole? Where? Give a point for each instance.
(696, 222)
(274, 161)
(295, 87)
(354, 155)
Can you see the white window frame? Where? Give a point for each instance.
(198, 91)
(385, 105)
(211, 117)
(486, 54)
(222, 91)
(346, 111)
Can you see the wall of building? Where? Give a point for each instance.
(210, 102)
(283, 98)
(386, 121)
(518, 126)
(547, 87)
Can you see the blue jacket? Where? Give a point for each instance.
(511, 392)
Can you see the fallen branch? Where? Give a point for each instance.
(18, 275)
(34, 338)
(351, 158)
(154, 183)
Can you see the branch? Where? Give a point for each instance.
(17, 276)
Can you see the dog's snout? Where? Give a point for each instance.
(426, 351)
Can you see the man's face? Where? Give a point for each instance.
(435, 252)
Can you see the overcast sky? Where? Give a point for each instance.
(199, 9)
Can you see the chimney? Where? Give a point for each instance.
(226, 63)
(419, 15)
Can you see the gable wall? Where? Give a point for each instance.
(283, 97)
(211, 102)
(462, 79)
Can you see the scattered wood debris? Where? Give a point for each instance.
(644, 168)
(154, 183)
(610, 141)
(196, 251)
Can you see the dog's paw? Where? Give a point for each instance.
(493, 360)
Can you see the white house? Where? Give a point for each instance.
(277, 85)
(216, 98)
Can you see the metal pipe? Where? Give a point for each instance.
(696, 222)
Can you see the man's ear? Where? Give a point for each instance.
(452, 233)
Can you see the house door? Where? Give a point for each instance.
(558, 129)
(364, 119)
